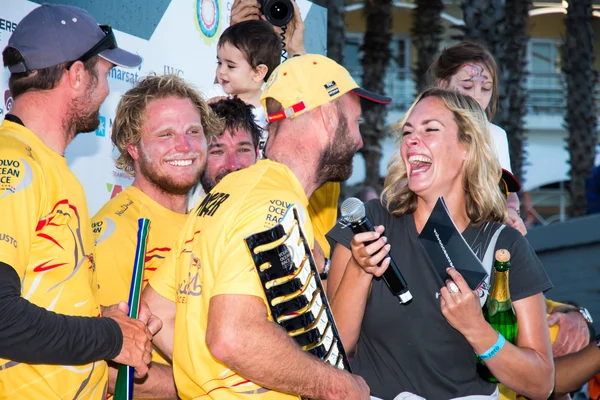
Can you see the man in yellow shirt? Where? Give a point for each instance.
(238, 148)
(161, 129)
(226, 346)
(52, 343)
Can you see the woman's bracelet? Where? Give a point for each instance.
(323, 275)
(492, 351)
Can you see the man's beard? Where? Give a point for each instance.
(335, 164)
(88, 123)
(81, 119)
(208, 184)
(163, 182)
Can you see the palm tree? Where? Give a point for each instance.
(512, 66)
(375, 60)
(336, 29)
(502, 27)
(484, 23)
(426, 33)
(580, 118)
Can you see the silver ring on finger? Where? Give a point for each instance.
(453, 288)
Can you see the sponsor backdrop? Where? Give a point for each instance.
(177, 37)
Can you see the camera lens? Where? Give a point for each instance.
(278, 12)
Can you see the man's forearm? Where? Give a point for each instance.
(575, 369)
(273, 360)
(163, 309)
(158, 384)
(241, 337)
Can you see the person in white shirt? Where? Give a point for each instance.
(470, 68)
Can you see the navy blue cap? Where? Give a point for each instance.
(53, 34)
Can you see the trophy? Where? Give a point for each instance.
(294, 291)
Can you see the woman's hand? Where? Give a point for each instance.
(460, 305)
(368, 255)
(514, 220)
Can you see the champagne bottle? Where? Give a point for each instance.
(498, 310)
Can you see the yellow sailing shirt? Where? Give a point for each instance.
(210, 259)
(46, 236)
(115, 228)
(322, 209)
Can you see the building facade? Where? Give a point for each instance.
(546, 167)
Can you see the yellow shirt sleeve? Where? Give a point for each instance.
(21, 195)
(322, 210)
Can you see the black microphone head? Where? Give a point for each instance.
(353, 210)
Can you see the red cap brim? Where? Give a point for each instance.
(512, 184)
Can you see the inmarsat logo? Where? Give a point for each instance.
(207, 18)
(128, 75)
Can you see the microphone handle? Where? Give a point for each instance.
(392, 275)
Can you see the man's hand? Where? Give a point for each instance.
(151, 321)
(357, 390)
(294, 36)
(244, 10)
(514, 220)
(137, 348)
(573, 333)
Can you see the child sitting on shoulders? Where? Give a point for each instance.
(247, 53)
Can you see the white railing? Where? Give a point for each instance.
(398, 85)
(545, 92)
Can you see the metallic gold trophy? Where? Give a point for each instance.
(291, 282)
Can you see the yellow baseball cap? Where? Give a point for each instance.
(309, 81)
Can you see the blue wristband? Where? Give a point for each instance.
(491, 352)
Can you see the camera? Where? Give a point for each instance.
(277, 12)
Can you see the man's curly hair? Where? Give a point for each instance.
(131, 112)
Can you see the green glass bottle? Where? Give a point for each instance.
(498, 310)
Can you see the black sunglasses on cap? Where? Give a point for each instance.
(108, 42)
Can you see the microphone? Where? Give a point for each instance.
(354, 215)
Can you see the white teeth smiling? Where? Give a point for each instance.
(180, 163)
(419, 164)
(419, 159)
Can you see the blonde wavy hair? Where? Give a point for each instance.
(131, 112)
(481, 169)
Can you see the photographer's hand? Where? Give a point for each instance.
(294, 42)
(244, 10)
